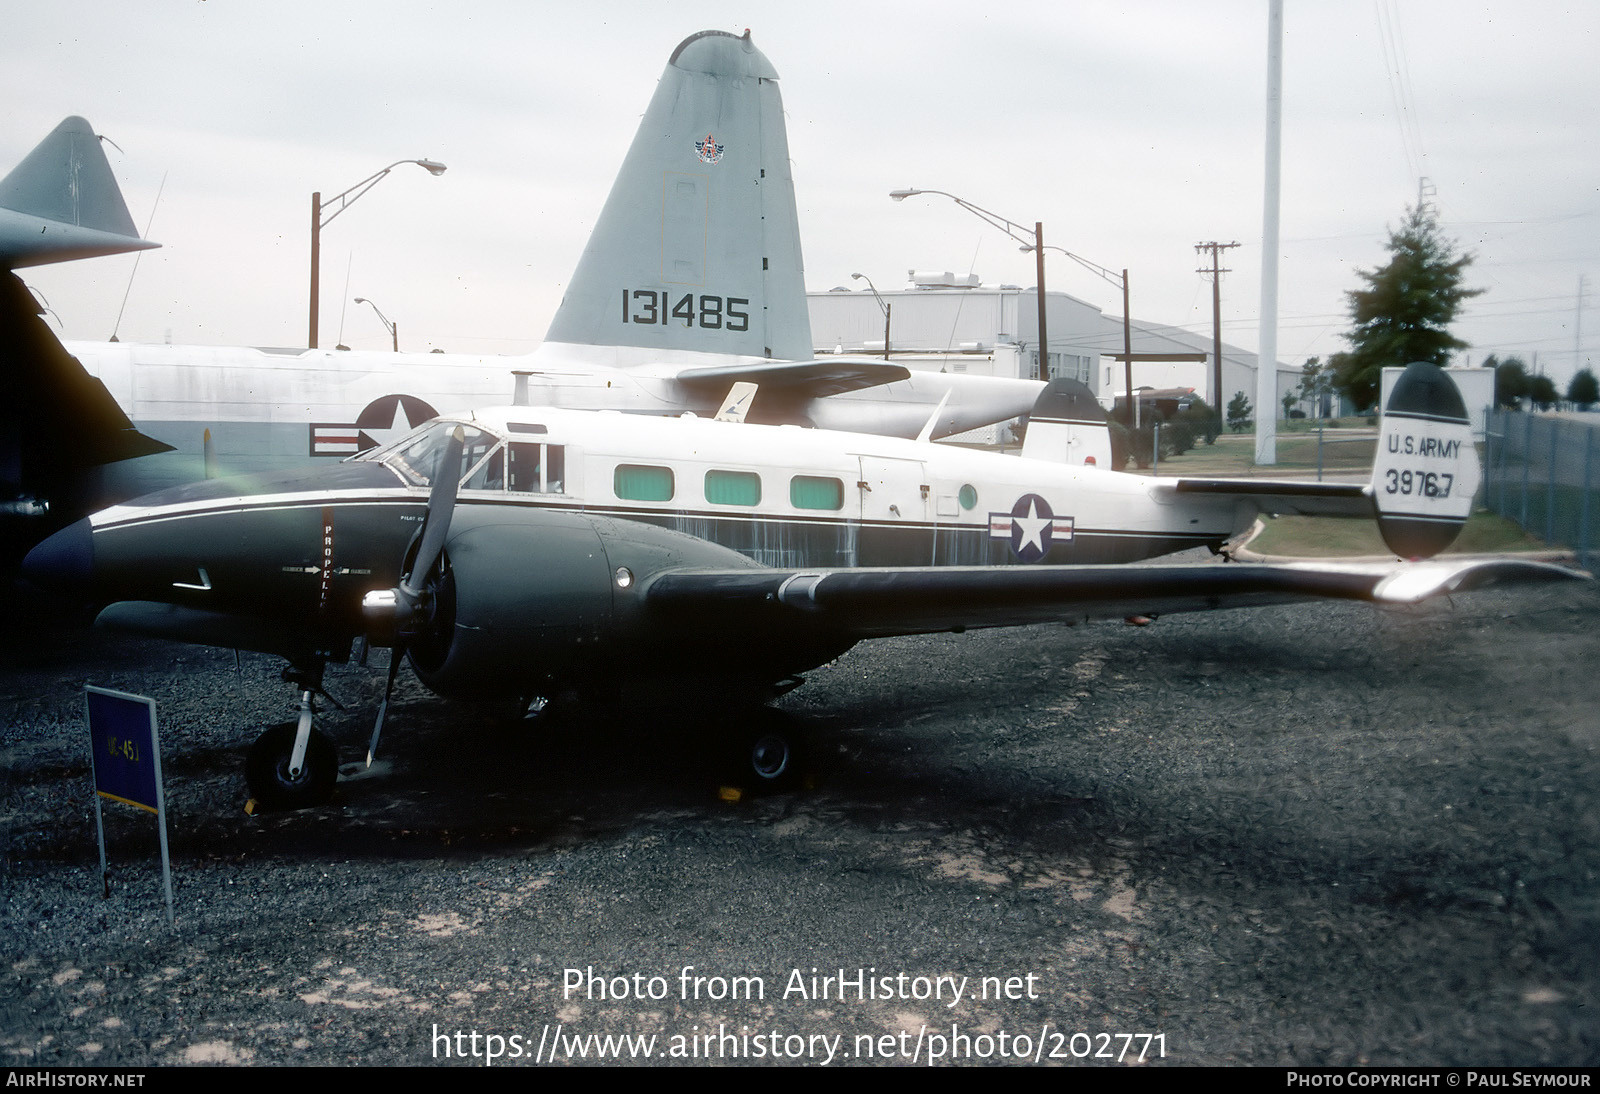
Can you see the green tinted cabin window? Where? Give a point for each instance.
(811, 492)
(638, 482)
(733, 488)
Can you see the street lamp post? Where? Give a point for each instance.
(1034, 240)
(392, 328)
(343, 201)
(883, 306)
(1121, 281)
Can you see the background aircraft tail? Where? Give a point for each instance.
(698, 246)
(62, 202)
(1068, 425)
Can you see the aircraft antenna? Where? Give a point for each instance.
(135, 271)
(345, 305)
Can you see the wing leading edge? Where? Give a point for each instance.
(877, 603)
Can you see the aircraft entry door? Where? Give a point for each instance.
(896, 513)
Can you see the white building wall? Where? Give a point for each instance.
(932, 328)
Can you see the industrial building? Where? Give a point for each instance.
(942, 322)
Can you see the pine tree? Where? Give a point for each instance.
(1404, 313)
(1584, 389)
(1238, 412)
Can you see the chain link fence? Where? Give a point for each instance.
(1544, 474)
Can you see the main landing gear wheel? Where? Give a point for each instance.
(769, 756)
(267, 769)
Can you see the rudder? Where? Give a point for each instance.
(62, 202)
(1426, 473)
(698, 245)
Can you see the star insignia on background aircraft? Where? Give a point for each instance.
(380, 421)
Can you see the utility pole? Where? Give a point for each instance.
(1216, 271)
(1267, 352)
(1577, 330)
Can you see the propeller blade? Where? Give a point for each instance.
(396, 655)
(441, 503)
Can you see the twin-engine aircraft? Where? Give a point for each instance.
(527, 552)
(692, 280)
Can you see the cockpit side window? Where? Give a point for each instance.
(533, 468)
(489, 474)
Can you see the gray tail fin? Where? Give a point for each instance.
(1068, 425)
(62, 202)
(1426, 473)
(698, 246)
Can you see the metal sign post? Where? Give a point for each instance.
(125, 752)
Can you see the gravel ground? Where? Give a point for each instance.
(1315, 835)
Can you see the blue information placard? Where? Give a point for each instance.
(122, 737)
(125, 752)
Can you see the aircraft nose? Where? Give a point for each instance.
(64, 560)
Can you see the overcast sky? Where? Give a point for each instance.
(1132, 130)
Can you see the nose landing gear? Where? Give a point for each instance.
(295, 765)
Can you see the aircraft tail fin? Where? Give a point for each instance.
(698, 245)
(737, 404)
(1426, 473)
(1068, 425)
(62, 202)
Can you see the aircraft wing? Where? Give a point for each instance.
(876, 603)
(797, 379)
(1285, 497)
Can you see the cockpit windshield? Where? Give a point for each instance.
(416, 455)
(489, 461)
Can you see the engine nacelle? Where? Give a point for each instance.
(534, 596)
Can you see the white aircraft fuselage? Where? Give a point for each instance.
(276, 410)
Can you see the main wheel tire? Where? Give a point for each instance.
(769, 754)
(267, 769)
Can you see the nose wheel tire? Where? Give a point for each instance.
(267, 769)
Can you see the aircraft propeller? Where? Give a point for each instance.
(400, 614)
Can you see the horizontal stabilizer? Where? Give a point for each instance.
(1285, 497)
(799, 379)
(62, 202)
(875, 603)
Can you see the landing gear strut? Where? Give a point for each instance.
(295, 765)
